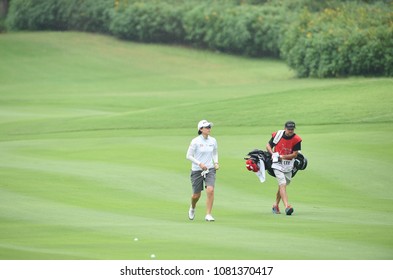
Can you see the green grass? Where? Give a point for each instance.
(93, 136)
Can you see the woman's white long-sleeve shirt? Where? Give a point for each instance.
(204, 151)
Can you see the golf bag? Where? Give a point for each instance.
(256, 155)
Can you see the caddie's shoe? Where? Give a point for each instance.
(209, 218)
(275, 209)
(289, 210)
(191, 213)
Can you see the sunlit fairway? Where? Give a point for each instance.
(93, 137)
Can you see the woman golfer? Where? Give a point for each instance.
(203, 154)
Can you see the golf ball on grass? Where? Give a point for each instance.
(152, 256)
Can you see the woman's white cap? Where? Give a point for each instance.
(204, 123)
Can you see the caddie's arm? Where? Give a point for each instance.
(290, 156)
(269, 148)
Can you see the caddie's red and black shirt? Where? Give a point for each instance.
(287, 144)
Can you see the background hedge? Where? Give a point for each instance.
(243, 29)
(148, 22)
(350, 39)
(316, 38)
(83, 15)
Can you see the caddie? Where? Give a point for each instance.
(284, 147)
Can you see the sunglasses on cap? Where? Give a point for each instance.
(207, 126)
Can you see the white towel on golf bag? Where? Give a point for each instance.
(261, 172)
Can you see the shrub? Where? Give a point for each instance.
(35, 15)
(351, 39)
(89, 15)
(245, 29)
(148, 22)
(85, 15)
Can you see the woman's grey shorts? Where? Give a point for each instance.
(283, 177)
(197, 180)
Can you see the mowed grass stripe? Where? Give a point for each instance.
(353, 107)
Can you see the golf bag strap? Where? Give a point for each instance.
(278, 136)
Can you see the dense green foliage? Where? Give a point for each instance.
(158, 22)
(245, 29)
(316, 38)
(351, 39)
(84, 15)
